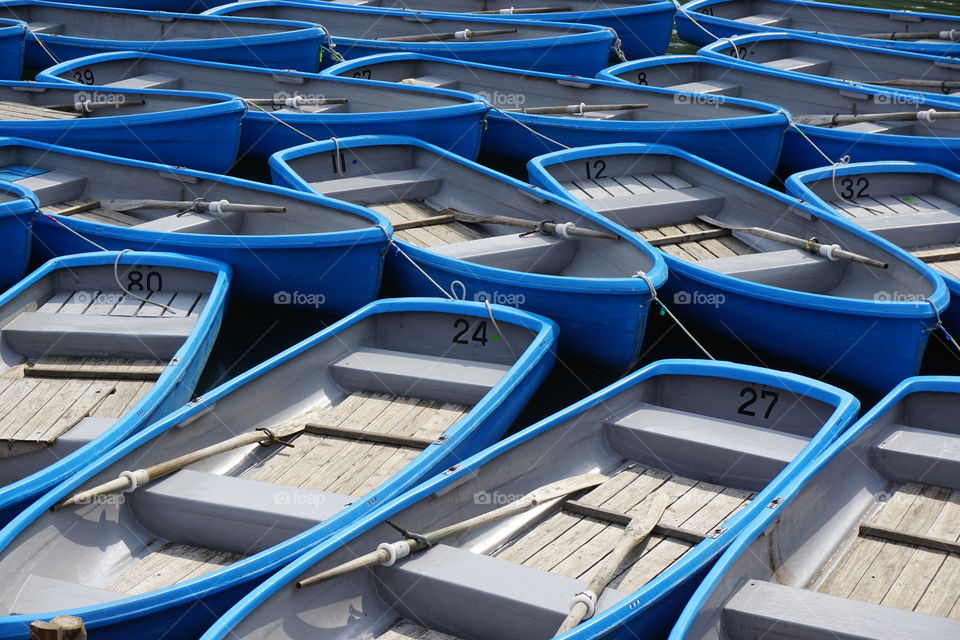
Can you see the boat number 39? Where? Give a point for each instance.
(757, 402)
(138, 281)
(464, 336)
(83, 76)
(851, 188)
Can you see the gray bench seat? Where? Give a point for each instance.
(722, 451)
(38, 334)
(767, 20)
(422, 376)
(658, 208)
(535, 253)
(148, 81)
(393, 186)
(228, 513)
(54, 187)
(801, 64)
(40, 593)
(447, 588)
(713, 87)
(767, 611)
(193, 222)
(911, 454)
(791, 268)
(434, 82)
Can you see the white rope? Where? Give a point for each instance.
(414, 263)
(43, 46)
(655, 298)
(499, 332)
(524, 125)
(943, 329)
(71, 230)
(338, 159)
(116, 276)
(681, 9)
(284, 123)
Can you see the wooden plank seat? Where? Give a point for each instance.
(535, 253)
(910, 453)
(167, 565)
(22, 111)
(431, 235)
(712, 87)
(406, 630)
(762, 610)
(421, 376)
(91, 211)
(234, 514)
(393, 186)
(446, 587)
(643, 210)
(722, 451)
(801, 64)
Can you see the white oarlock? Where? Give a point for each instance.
(926, 116)
(294, 102)
(588, 599)
(827, 251)
(563, 230)
(509, 10)
(136, 478)
(395, 551)
(463, 35)
(217, 206)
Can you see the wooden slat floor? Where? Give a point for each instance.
(348, 467)
(171, 564)
(899, 575)
(432, 236)
(644, 183)
(100, 215)
(20, 111)
(572, 545)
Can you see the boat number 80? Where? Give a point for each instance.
(479, 332)
(752, 397)
(83, 76)
(150, 281)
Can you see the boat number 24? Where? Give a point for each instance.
(755, 400)
(463, 335)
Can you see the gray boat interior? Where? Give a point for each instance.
(88, 22)
(673, 435)
(147, 73)
(407, 184)
(476, 6)
(834, 60)
(800, 97)
(867, 550)
(358, 408)
(915, 210)
(782, 14)
(86, 188)
(23, 102)
(364, 26)
(77, 353)
(661, 196)
(517, 90)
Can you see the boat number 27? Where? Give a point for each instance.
(138, 281)
(463, 326)
(754, 401)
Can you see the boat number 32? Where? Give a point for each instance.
(138, 281)
(83, 76)
(463, 335)
(854, 188)
(757, 402)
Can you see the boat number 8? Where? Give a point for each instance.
(752, 396)
(596, 169)
(855, 188)
(642, 78)
(138, 281)
(83, 76)
(479, 333)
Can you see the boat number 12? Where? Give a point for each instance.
(752, 397)
(855, 188)
(479, 333)
(138, 281)
(596, 169)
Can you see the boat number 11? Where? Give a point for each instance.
(138, 281)
(479, 332)
(752, 397)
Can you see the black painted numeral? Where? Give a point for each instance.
(752, 397)
(596, 169)
(137, 281)
(855, 188)
(479, 334)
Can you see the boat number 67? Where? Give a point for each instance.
(150, 281)
(479, 332)
(752, 397)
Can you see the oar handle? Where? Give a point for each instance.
(952, 34)
(465, 34)
(563, 230)
(928, 115)
(522, 10)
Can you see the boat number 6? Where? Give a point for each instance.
(752, 396)
(855, 189)
(479, 333)
(152, 282)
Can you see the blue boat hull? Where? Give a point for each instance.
(16, 222)
(752, 150)
(458, 130)
(11, 50)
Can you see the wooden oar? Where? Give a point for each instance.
(384, 552)
(639, 529)
(576, 108)
(896, 116)
(833, 252)
(953, 35)
(200, 206)
(466, 34)
(512, 11)
(140, 477)
(910, 82)
(544, 226)
(87, 105)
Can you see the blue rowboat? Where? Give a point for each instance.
(740, 135)
(911, 204)
(420, 188)
(66, 31)
(374, 404)
(277, 121)
(818, 56)
(17, 210)
(359, 31)
(860, 544)
(682, 434)
(198, 130)
(88, 200)
(813, 103)
(88, 362)
(12, 36)
(704, 21)
(644, 27)
(866, 323)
